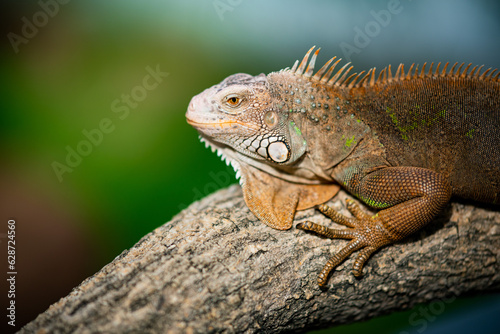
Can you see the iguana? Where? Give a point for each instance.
(402, 143)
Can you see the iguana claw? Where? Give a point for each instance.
(365, 232)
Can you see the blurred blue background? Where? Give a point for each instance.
(94, 144)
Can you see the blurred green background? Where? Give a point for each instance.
(69, 66)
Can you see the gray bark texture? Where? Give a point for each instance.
(216, 268)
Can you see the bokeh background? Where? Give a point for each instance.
(70, 67)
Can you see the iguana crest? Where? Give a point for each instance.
(340, 78)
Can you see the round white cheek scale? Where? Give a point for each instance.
(278, 151)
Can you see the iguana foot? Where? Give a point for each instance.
(366, 233)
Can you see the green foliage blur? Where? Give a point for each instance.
(96, 152)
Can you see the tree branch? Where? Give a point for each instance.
(215, 268)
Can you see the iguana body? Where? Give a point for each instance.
(403, 144)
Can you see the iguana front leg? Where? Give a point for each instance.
(410, 198)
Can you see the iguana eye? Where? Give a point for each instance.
(233, 100)
(271, 119)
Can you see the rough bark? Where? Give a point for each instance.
(216, 268)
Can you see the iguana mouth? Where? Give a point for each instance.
(220, 125)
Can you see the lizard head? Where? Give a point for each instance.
(266, 127)
(243, 113)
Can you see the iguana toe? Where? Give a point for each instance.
(365, 232)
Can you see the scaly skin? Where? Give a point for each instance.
(403, 144)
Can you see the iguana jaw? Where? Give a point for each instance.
(236, 159)
(226, 154)
(216, 126)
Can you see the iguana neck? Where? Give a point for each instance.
(304, 171)
(326, 119)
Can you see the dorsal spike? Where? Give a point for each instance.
(339, 72)
(389, 73)
(409, 74)
(443, 73)
(342, 78)
(459, 69)
(364, 82)
(484, 74)
(422, 72)
(473, 71)
(430, 69)
(330, 71)
(452, 70)
(371, 83)
(310, 67)
(464, 73)
(400, 72)
(382, 75)
(294, 67)
(436, 73)
(491, 74)
(303, 63)
(322, 70)
(415, 74)
(496, 78)
(479, 71)
(353, 82)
